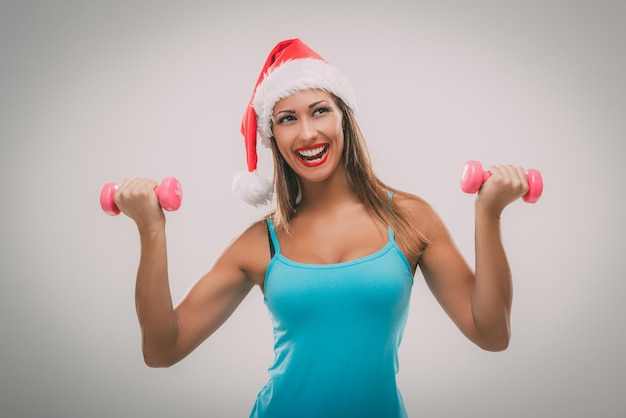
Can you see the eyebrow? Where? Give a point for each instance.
(312, 105)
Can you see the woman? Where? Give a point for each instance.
(335, 260)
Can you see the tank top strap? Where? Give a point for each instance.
(273, 239)
(392, 237)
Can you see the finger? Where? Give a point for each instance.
(510, 177)
(521, 174)
(518, 178)
(134, 189)
(499, 172)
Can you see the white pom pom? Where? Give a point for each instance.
(253, 189)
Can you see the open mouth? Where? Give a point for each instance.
(313, 156)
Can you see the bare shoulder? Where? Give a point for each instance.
(410, 201)
(250, 251)
(418, 212)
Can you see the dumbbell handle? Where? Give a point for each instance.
(474, 176)
(169, 193)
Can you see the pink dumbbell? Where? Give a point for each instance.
(473, 177)
(169, 193)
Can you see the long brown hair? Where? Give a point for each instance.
(366, 185)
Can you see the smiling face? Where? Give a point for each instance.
(308, 130)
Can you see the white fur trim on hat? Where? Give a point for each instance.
(252, 188)
(293, 76)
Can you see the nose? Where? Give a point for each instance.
(308, 130)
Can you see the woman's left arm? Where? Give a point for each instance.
(479, 303)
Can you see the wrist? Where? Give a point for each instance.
(153, 228)
(487, 212)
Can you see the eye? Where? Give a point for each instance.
(321, 110)
(285, 119)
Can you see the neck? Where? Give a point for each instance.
(326, 194)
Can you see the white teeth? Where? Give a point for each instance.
(312, 152)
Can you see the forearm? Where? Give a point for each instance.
(493, 290)
(153, 298)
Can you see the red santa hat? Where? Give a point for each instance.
(290, 67)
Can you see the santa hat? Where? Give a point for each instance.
(290, 67)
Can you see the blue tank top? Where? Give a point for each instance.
(337, 329)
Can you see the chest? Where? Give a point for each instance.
(374, 289)
(326, 242)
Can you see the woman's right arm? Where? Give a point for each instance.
(169, 334)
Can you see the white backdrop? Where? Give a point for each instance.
(99, 91)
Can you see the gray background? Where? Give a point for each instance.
(92, 92)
